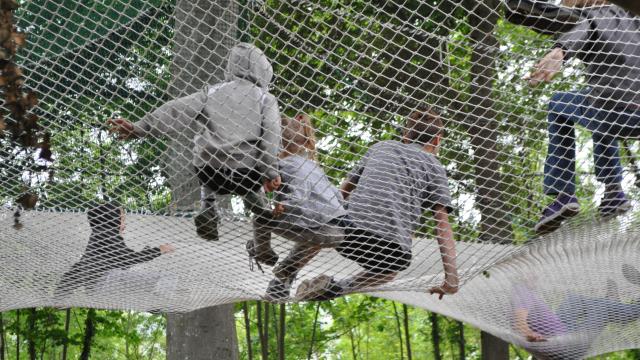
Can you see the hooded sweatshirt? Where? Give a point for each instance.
(238, 121)
(608, 43)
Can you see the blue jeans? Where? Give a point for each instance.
(581, 313)
(566, 109)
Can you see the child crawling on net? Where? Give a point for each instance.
(308, 209)
(386, 194)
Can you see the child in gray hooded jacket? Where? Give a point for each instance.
(237, 139)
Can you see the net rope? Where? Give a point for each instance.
(352, 73)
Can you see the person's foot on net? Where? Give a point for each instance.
(261, 254)
(631, 274)
(320, 288)
(562, 208)
(278, 290)
(207, 223)
(613, 204)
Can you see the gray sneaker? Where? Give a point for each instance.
(207, 224)
(320, 288)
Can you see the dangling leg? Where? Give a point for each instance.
(207, 219)
(287, 270)
(259, 247)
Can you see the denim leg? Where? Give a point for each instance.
(607, 126)
(581, 313)
(564, 111)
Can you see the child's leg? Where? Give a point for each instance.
(299, 257)
(207, 219)
(259, 247)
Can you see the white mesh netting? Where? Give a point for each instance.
(354, 71)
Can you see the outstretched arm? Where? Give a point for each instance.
(522, 327)
(347, 187)
(447, 245)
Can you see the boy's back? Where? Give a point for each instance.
(396, 182)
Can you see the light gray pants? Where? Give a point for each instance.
(308, 243)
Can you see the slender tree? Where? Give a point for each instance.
(31, 333)
(65, 344)
(18, 334)
(313, 332)
(264, 343)
(281, 333)
(247, 327)
(461, 341)
(2, 338)
(407, 338)
(398, 329)
(435, 336)
(89, 333)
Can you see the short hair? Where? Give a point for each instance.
(422, 126)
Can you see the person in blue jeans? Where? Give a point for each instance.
(607, 42)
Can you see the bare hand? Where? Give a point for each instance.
(273, 184)
(123, 128)
(444, 289)
(535, 337)
(167, 249)
(278, 210)
(547, 68)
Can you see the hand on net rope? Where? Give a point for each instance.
(243, 154)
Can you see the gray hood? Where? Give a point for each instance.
(248, 62)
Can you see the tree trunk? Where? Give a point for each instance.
(495, 222)
(17, 334)
(399, 330)
(407, 339)
(247, 326)
(281, 333)
(264, 341)
(31, 334)
(435, 336)
(461, 341)
(89, 332)
(65, 345)
(205, 30)
(1, 338)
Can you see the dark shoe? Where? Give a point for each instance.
(320, 288)
(562, 208)
(207, 224)
(614, 204)
(267, 257)
(631, 274)
(277, 291)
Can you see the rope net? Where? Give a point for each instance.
(173, 155)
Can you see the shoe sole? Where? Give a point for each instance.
(618, 211)
(314, 288)
(205, 228)
(553, 222)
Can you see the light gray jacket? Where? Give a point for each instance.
(237, 121)
(608, 42)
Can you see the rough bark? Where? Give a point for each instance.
(205, 30)
(495, 222)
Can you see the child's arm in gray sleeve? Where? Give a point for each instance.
(172, 117)
(270, 142)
